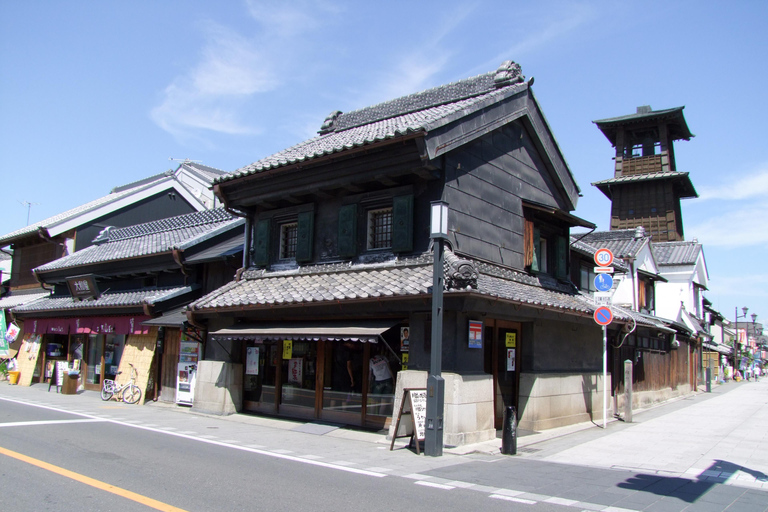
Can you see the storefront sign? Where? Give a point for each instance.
(404, 360)
(83, 287)
(252, 361)
(475, 334)
(510, 341)
(287, 349)
(12, 332)
(3, 342)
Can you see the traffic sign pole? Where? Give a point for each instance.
(605, 375)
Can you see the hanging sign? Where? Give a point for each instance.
(252, 361)
(510, 340)
(287, 349)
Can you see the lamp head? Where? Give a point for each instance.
(745, 309)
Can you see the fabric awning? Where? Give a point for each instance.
(87, 325)
(172, 318)
(360, 331)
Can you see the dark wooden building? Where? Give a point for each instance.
(646, 187)
(336, 297)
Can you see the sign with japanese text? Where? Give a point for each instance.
(83, 287)
(287, 349)
(252, 361)
(510, 341)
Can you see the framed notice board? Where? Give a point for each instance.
(414, 408)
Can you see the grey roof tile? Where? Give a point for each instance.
(677, 253)
(105, 300)
(413, 113)
(149, 238)
(621, 242)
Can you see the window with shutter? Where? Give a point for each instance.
(348, 231)
(261, 242)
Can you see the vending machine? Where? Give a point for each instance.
(189, 353)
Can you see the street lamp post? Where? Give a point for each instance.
(433, 436)
(737, 363)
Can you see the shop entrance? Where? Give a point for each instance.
(502, 360)
(102, 358)
(339, 381)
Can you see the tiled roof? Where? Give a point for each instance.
(154, 237)
(395, 278)
(132, 298)
(413, 113)
(641, 177)
(19, 298)
(642, 114)
(588, 249)
(206, 174)
(677, 253)
(61, 217)
(621, 242)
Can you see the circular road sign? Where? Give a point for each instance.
(603, 315)
(603, 282)
(603, 257)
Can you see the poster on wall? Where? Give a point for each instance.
(405, 339)
(475, 334)
(287, 349)
(510, 340)
(510, 359)
(295, 367)
(252, 361)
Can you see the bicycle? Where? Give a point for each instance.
(129, 392)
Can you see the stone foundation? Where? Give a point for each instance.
(218, 388)
(468, 406)
(557, 399)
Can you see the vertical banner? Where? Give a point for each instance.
(4, 352)
(252, 361)
(510, 359)
(510, 341)
(287, 349)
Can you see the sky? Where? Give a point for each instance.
(94, 95)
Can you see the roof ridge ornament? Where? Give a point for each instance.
(460, 273)
(508, 73)
(329, 123)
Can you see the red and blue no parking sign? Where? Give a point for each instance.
(603, 315)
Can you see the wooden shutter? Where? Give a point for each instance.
(348, 231)
(641, 293)
(402, 223)
(561, 257)
(528, 244)
(261, 242)
(305, 230)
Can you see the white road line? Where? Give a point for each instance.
(511, 498)
(50, 422)
(209, 441)
(434, 484)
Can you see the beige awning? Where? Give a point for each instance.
(335, 331)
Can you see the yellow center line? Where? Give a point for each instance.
(138, 498)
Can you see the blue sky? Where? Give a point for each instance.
(99, 94)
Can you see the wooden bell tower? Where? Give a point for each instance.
(646, 187)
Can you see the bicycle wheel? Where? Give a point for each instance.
(107, 391)
(131, 394)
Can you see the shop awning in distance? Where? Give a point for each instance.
(173, 318)
(360, 331)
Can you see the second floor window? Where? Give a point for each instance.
(380, 229)
(289, 235)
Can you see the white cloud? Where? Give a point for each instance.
(751, 186)
(742, 227)
(207, 98)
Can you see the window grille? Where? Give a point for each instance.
(289, 236)
(380, 229)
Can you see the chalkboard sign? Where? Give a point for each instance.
(414, 404)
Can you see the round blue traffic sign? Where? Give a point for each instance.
(603, 282)
(603, 315)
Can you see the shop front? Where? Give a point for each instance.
(91, 346)
(336, 372)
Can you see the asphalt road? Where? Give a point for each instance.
(59, 461)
